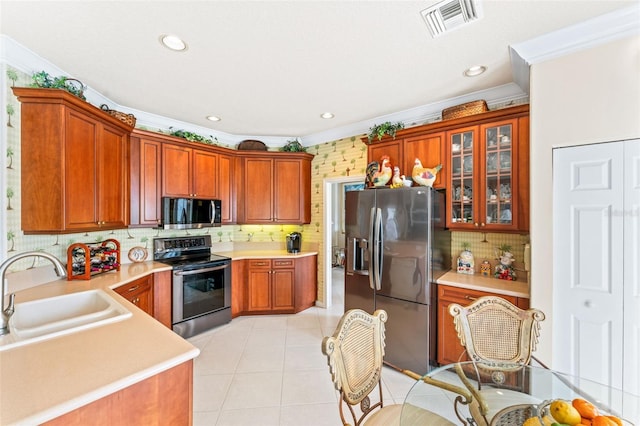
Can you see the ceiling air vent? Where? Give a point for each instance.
(449, 14)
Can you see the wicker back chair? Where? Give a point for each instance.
(354, 354)
(495, 331)
(498, 336)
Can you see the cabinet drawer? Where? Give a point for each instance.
(134, 287)
(283, 263)
(260, 263)
(466, 296)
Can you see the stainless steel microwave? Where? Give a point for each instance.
(189, 213)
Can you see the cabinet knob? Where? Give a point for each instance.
(476, 224)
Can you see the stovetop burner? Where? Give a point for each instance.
(195, 261)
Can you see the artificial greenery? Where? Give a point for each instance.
(193, 137)
(505, 248)
(42, 79)
(386, 128)
(465, 245)
(293, 146)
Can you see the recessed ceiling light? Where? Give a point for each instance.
(213, 118)
(326, 115)
(475, 70)
(173, 42)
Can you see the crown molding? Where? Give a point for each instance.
(594, 32)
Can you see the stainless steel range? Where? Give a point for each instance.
(201, 283)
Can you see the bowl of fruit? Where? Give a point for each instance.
(557, 412)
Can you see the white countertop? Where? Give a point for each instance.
(43, 380)
(492, 285)
(264, 254)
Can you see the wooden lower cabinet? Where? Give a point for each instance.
(279, 285)
(162, 294)
(139, 292)
(152, 294)
(449, 348)
(270, 285)
(163, 399)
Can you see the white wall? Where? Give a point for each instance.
(586, 97)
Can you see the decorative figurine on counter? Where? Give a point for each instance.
(466, 264)
(485, 268)
(504, 270)
(423, 175)
(378, 174)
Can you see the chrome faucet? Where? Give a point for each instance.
(7, 311)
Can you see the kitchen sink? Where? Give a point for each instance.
(52, 317)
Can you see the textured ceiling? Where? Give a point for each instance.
(271, 68)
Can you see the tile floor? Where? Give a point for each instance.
(269, 370)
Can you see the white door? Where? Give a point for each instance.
(632, 267)
(588, 262)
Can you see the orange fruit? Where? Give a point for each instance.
(615, 420)
(603, 421)
(586, 409)
(585, 422)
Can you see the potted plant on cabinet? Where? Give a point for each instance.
(386, 128)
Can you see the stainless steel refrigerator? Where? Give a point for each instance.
(396, 247)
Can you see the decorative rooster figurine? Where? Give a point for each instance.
(397, 180)
(424, 176)
(378, 174)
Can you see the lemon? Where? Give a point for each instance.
(532, 421)
(564, 412)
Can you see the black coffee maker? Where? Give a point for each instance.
(294, 242)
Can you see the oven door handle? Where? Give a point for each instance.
(200, 271)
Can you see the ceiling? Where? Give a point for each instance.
(271, 68)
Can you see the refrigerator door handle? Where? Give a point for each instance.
(371, 249)
(378, 249)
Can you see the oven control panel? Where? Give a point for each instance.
(177, 246)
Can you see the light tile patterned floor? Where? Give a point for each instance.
(269, 370)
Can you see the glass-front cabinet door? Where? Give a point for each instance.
(483, 187)
(498, 182)
(463, 148)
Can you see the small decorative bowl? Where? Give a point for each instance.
(407, 182)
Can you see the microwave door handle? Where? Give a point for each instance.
(211, 211)
(184, 215)
(200, 271)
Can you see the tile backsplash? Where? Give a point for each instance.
(484, 246)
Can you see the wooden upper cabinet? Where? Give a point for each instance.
(226, 185)
(430, 149)
(146, 180)
(205, 174)
(292, 185)
(176, 171)
(485, 166)
(75, 164)
(188, 172)
(258, 190)
(391, 148)
(163, 165)
(489, 181)
(276, 188)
